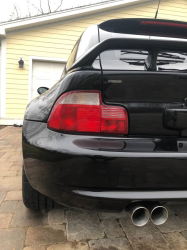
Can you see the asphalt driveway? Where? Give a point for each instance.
(69, 229)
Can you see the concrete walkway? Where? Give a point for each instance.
(69, 229)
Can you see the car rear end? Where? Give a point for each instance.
(113, 130)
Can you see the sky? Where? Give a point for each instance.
(7, 6)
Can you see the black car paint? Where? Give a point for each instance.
(134, 26)
(107, 172)
(39, 109)
(61, 166)
(146, 96)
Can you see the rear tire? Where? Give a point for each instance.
(32, 198)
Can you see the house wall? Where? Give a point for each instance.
(2, 77)
(58, 40)
(173, 10)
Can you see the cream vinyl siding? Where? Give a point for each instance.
(58, 40)
(0, 78)
(171, 9)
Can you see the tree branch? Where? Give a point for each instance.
(16, 13)
(15, 8)
(28, 5)
(49, 6)
(12, 15)
(59, 5)
(41, 6)
(37, 8)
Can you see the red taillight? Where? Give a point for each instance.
(83, 111)
(168, 24)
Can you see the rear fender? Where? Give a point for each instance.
(39, 109)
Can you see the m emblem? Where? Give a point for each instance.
(115, 81)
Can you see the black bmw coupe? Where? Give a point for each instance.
(113, 129)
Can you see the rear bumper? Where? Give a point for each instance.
(94, 172)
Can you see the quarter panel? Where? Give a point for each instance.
(40, 108)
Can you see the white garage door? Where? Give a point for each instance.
(45, 74)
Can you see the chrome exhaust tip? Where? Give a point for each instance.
(139, 214)
(159, 215)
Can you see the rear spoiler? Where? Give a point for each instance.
(89, 57)
(150, 27)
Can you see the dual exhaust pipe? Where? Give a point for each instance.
(141, 212)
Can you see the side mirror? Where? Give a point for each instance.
(41, 90)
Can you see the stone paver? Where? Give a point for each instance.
(20, 172)
(112, 228)
(6, 156)
(15, 157)
(170, 211)
(5, 173)
(13, 196)
(83, 226)
(12, 238)
(24, 217)
(5, 220)
(17, 163)
(5, 166)
(70, 246)
(176, 241)
(6, 150)
(19, 149)
(1, 154)
(180, 209)
(147, 237)
(66, 229)
(110, 244)
(45, 235)
(2, 195)
(15, 168)
(2, 161)
(8, 206)
(173, 224)
(184, 233)
(123, 214)
(56, 216)
(10, 183)
(35, 248)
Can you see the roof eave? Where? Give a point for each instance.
(62, 15)
(2, 33)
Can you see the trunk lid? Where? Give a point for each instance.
(151, 84)
(146, 96)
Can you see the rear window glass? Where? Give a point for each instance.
(123, 59)
(135, 60)
(172, 61)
